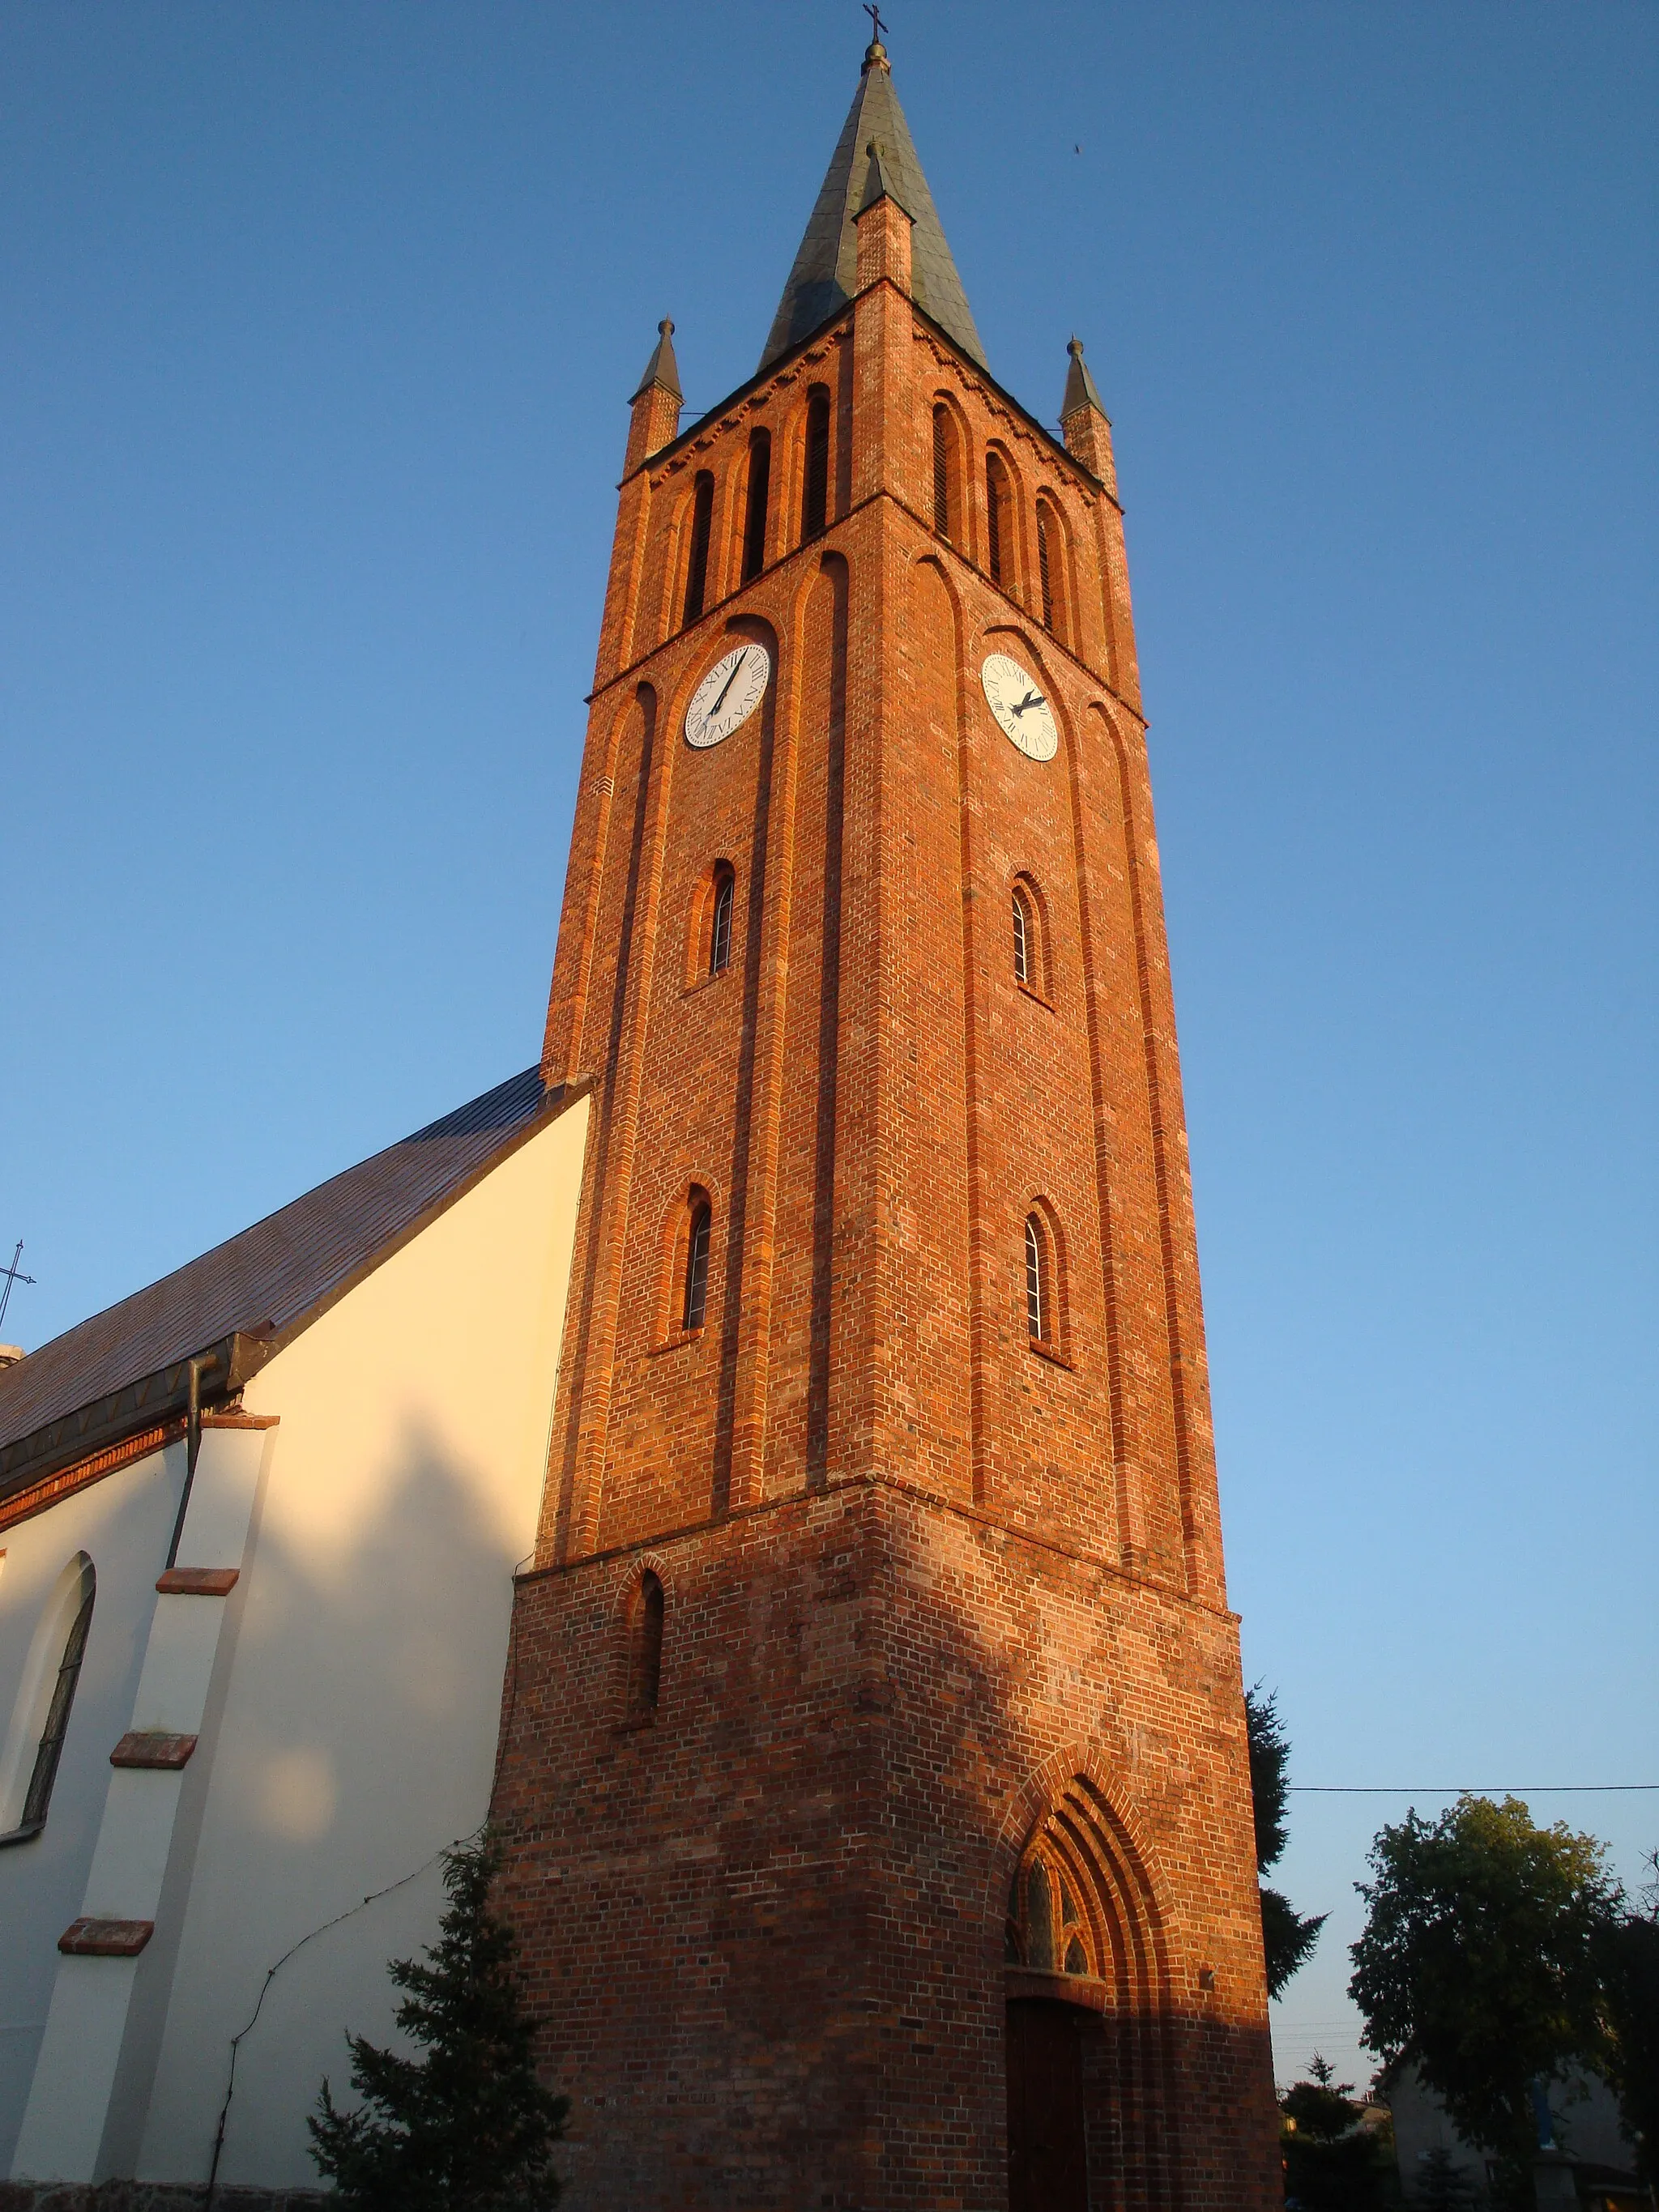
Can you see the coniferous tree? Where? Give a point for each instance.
(1286, 1937)
(1443, 2184)
(466, 2127)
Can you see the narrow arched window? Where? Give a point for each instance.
(814, 489)
(645, 1648)
(719, 930)
(1037, 1288)
(696, 567)
(1023, 935)
(1051, 568)
(754, 526)
(51, 1746)
(696, 1266)
(944, 437)
(999, 552)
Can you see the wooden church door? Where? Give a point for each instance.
(1048, 2159)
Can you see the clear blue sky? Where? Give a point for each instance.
(319, 323)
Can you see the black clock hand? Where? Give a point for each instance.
(729, 682)
(1031, 699)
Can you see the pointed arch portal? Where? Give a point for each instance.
(1085, 2008)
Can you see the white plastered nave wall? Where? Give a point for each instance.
(358, 1732)
(351, 1729)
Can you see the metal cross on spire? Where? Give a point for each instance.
(10, 1275)
(877, 26)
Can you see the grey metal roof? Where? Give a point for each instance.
(662, 367)
(1079, 384)
(124, 1369)
(821, 282)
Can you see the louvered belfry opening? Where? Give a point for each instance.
(815, 493)
(759, 482)
(696, 567)
(997, 548)
(1044, 559)
(942, 518)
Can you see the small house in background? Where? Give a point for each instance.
(1588, 2165)
(257, 1529)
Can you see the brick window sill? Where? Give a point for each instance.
(703, 982)
(673, 1343)
(1051, 1352)
(634, 1723)
(1027, 991)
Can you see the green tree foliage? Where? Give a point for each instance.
(1286, 1937)
(1479, 1962)
(1331, 2163)
(1629, 1964)
(466, 2127)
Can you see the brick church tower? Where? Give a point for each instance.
(874, 1765)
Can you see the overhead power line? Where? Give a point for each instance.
(1464, 1788)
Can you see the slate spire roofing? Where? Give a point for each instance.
(662, 367)
(1079, 384)
(821, 282)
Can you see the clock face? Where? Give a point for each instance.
(1015, 697)
(728, 694)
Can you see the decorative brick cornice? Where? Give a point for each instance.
(23, 1504)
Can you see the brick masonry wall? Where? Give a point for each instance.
(765, 1933)
(924, 1579)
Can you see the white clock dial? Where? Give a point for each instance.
(1015, 697)
(728, 694)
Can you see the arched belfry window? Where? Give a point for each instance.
(68, 1630)
(645, 1626)
(999, 534)
(694, 1297)
(947, 519)
(815, 482)
(719, 926)
(754, 526)
(1051, 568)
(697, 564)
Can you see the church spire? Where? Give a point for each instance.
(824, 274)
